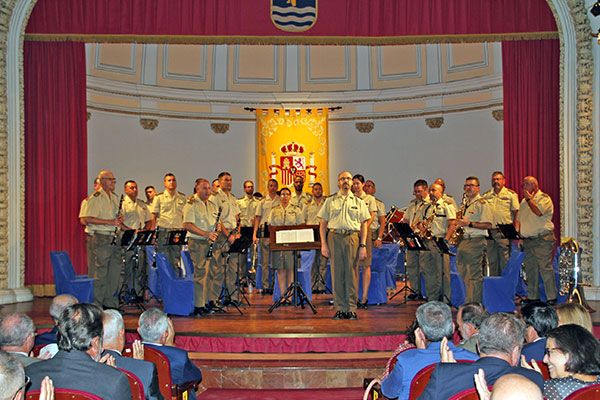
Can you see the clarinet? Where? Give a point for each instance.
(210, 246)
(115, 233)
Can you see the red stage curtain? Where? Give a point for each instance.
(531, 124)
(249, 18)
(55, 156)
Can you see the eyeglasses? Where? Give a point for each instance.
(24, 386)
(345, 178)
(470, 185)
(549, 350)
(110, 179)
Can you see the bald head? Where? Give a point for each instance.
(440, 181)
(59, 303)
(506, 386)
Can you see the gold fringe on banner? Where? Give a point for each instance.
(300, 40)
(43, 290)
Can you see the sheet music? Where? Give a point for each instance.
(295, 236)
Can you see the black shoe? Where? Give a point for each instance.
(198, 312)
(351, 315)
(361, 305)
(339, 315)
(413, 296)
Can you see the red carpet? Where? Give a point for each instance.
(287, 394)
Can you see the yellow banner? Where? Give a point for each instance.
(292, 143)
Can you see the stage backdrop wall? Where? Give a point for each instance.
(394, 154)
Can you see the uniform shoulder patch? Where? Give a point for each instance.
(482, 201)
(191, 200)
(181, 194)
(448, 201)
(545, 195)
(96, 194)
(511, 191)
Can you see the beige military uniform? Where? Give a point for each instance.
(415, 260)
(291, 215)
(169, 211)
(440, 213)
(471, 249)
(204, 216)
(263, 210)
(107, 258)
(344, 216)
(503, 206)
(450, 200)
(300, 201)
(135, 214)
(247, 206)
(372, 207)
(88, 239)
(538, 244)
(319, 267)
(229, 215)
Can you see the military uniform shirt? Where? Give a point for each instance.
(380, 213)
(443, 212)
(291, 215)
(200, 213)
(344, 212)
(230, 209)
(104, 206)
(414, 210)
(450, 200)
(300, 201)
(312, 210)
(135, 213)
(263, 209)
(531, 224)
(502, 205)
(477, 211)
(247, 207)
(169, 209)
(82, 211)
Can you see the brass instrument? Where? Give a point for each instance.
(568, 272)
(459, 231)
(116, 232)
(252, 269)
(424, 231)
(210, 246)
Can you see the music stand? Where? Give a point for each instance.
(239, 246)
(413, 242)
(295, 292)
(443, 248)
(133, 240)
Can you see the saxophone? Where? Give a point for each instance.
(424, 231)
(459, 231)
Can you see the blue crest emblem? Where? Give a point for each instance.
(294, 15)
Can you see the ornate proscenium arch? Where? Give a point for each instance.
(576, 123)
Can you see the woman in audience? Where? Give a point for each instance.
(573, 359)
(574, 313)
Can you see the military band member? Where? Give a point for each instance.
(319, 267)
(504, 204)
(358, 182)
(200, 220)
(378, 225)
(537, 229)
(344, 223)
(88, 233)
(439, 215)
(229, 220)
(261, 218)
(215, 186)
(101, 216)
(247, 206)
(167, 208)
(471, 249)
(150, 192)
(299, 198)
(284, 213)
(447, 198)
(136, 215)
(415, 260)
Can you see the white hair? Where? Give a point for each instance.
(112, 324)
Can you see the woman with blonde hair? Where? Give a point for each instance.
(574, 313)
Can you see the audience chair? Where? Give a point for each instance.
(468, 394)
(152, 272)
(373, 390)
(168, 390)
(458, 292)
(420, 381)
(591, 392)
(499, 291)
(178, 293)
(544, 368)
(65, 280)
(65, 394)
(135, 384)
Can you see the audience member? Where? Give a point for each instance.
(574, 313)
(573, 359)
(113, 341)
(78, 363)
(435, 323)
(539, 318)
(468, 319)
(409, 343)
(505, 388)
(17, 335)
(59, 303)
(157, 332)
(12, 377)
(500, 340)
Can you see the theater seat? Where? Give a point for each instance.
(65, 280)
(178, 293)
(591, 392)
(64, 394)
(152, 272)
(499, 291)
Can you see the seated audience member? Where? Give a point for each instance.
(500, 339)
(409, 343)
(468, 319)
(505, 388)
(156, 330)
(59, 303)
(573, 359)
(113, 342)
(435, 323)
(574, 313)
(78, 364)
(13, 381)
(17, 335)
(539, 319)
